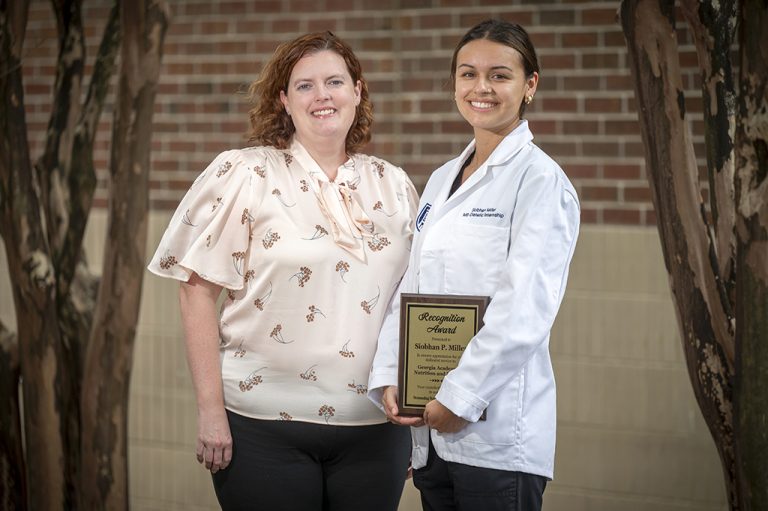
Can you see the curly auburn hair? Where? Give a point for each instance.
(270, 123)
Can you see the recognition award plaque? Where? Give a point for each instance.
(434, 332)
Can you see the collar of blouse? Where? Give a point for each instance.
(350, 225)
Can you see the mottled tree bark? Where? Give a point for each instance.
(33, 278)
(43, 213)
(691, 253)
(110, 351)
(751, 423)
(12, 490)
(53, 168)
(12, 467)
(713, 26)
(718, 263)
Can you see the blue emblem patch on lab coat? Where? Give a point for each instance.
(422, 216)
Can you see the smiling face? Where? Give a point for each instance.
(490, 86)
(321, 99)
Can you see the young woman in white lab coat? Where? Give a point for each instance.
(500, 220)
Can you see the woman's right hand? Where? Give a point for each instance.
(389, 401)
(214, 440)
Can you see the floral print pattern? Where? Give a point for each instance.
(326, 411)
(360, 389)
(246, 217)
(302, 276)
(167, 261)
(342, 267)
(378, 242)
(345, 351)
(186, 220)
(379, 168)
(261, 301)
(379, 206)
(320, 231)
(242, 223)
(369, 305)
(224, 168)
(238, 259)
(269, 239)
(277, 193)
(309, 374)
(277, 335)
(251, 381)
(312, 311)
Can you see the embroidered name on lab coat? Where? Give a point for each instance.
(484, 213)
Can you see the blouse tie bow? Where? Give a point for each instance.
(349, 223)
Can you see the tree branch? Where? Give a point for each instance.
(17, 25)
(82, 177)
(13, 24)
(13, 493)
(713, 26)
(110, 352)
(103, 70)
(54, 165)
(33, 280)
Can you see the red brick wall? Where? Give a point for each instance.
(583, 116)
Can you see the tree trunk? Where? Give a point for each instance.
(690, 253)
(751, 408)
(12, 490)
(53, 169)
(33, 280)
(12, 468)
(43, 214)
(110, 352)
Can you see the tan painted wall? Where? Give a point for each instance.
(630, 436)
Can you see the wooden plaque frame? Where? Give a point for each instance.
(434, 332)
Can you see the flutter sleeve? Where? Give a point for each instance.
(209, 234)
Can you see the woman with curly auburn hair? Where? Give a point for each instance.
(309, 237)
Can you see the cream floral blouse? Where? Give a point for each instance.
(309, 267)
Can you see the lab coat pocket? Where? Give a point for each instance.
(474, 263)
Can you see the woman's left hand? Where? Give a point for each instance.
(441, 419)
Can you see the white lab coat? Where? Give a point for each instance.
(509, 233)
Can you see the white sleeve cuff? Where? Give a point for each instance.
(462, 403)
(377, 382)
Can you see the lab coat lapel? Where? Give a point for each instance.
(436, 204)
(506, 149)
(443, 203)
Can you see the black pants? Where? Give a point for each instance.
(297, 466)
(447, 486)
